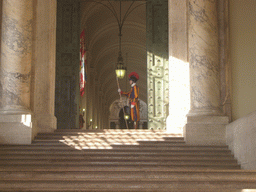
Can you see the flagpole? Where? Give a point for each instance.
(121, 100)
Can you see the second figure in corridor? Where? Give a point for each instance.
(133, 96)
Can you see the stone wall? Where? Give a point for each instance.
(241, 140)
(242, 56)
(1, 1)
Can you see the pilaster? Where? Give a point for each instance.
(44, 69)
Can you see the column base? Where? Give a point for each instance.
(14, 109)
(16, 129)
(46, 123)
(206, 130)
(205, 112)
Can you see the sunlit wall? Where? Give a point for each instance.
(179, 104)
(179, 89)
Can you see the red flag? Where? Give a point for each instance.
(82, 73)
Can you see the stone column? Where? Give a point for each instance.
(100, 109)
(205, 123)
(16, 55)
(91, 106)
(16, 60)
(96, 103)
(105, 114)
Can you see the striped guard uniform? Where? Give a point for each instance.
(133, 96)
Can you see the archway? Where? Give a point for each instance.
(101, 58)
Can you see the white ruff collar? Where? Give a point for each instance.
(133, 84)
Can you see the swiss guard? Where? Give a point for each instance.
(133, 96)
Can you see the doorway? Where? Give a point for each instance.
(144, 49)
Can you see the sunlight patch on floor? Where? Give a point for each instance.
(103, 140)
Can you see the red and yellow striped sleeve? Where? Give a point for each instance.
(126, 93)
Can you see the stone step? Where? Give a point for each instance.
(227, 163)
(79, 157)
(116, 131)
(119, 160)
(109, 152)
(140, 141)
(116, 140)
(113, 167)
(112, 139)
(124, 184)
(112, 152)
(113, 142)
(132, 175)
(113, 135)
(109, 135)
(204, 189)
(106, 134)
(117, 147)
(113, 131)
(120, 142)
(132, 137)
(171, 147)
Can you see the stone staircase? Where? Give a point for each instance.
(119, 160)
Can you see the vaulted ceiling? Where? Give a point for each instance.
(102, 43)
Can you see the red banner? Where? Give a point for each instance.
(82, 73)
